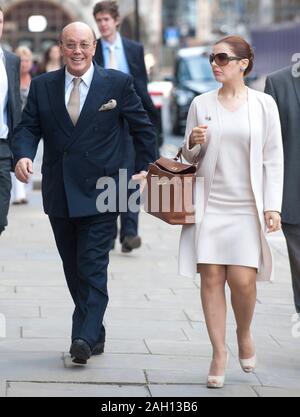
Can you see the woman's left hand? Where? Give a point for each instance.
(273, 221)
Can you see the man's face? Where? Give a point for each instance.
(1, 23)
(107, 25)
(78, 48)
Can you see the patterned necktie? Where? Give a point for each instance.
(112, 58)
(74, 101)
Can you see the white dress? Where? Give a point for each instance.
(230, 231)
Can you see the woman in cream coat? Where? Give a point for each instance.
(234, 134)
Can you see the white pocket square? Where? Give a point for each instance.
(111, 104)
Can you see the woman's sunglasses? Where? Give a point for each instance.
(223, 59)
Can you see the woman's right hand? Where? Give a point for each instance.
(198, 135)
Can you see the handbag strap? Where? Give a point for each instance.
(179, 155)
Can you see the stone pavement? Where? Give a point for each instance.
(157, 344)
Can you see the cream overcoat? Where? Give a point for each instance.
(266, 168)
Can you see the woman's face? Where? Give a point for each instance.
(26, 64)
(231, 71)
(54, 54)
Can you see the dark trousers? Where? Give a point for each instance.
(129, 221)
(292, 235)
(5, 183)
(84, 245)
(129, 225)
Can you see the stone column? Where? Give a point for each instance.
(204, 21)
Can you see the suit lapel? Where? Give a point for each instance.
(97, 95)
(99, 53)
(9, 69)
(56, 92)
(296, 82)
(130, 56)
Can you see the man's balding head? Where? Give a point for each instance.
(77, 44)
(77, 27)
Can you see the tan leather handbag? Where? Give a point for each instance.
(170, 190)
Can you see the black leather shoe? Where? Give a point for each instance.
(98, 349)
(131, 242)
(80, 351)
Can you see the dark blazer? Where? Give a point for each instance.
(134, 53)
(285, 89)
(12, 65)
(76, 157)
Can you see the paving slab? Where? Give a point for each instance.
(277, 392)
(200, 391)
(27, 389)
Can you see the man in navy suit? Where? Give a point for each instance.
(10, 113)
(80, 112)
(114, 51)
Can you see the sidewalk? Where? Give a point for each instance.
(157, 344)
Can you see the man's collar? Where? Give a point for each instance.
(86, 77)
(117, 43)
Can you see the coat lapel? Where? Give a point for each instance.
(296, 82)
(257, 124)
(56, 91)
(9, 69)
(99, 53)
(130, 57)
(97, 95)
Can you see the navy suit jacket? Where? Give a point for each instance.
(76, 157)
(134, 53)
(285, 89)
(12, 66)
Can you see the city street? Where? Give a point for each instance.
(157, 344)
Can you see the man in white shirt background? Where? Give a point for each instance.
(10, 112)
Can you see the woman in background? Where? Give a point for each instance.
(52, 59)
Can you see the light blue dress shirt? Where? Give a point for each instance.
(119, 53)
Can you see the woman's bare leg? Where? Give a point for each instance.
(213, 280)
(242, 282)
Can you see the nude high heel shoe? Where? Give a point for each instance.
(249, 365)
(217, 382)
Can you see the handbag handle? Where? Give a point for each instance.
(179, 155)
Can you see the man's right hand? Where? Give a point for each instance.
(198, 135)
(24, 169)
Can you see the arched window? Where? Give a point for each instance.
(36, 24)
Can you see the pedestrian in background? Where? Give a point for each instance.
(116, 52)
(79, 111)
(19, 189)
(10, 112)
(284, 87)
(52, 60)
(234, 135)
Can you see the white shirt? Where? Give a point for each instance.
(3, 98)
(84, 86)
